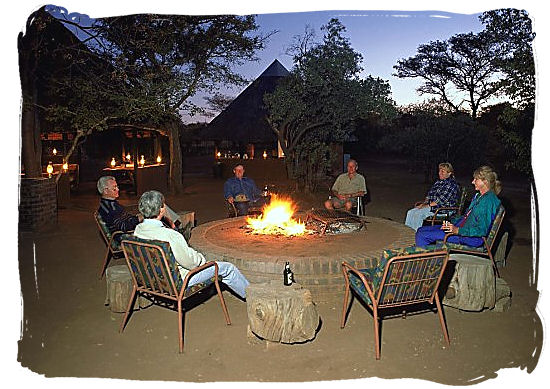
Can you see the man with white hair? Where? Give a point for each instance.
(152, 207)
(115, 216)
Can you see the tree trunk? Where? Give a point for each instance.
(175, 180)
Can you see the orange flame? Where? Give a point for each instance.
(277, 219)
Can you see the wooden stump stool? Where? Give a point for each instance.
(278, 313)
(473, 283)
(119, 289)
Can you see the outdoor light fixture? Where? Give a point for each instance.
(219, 154)
(54, 151)
(142, 161)
(128, 156)
(159, 159)
(265, 154)
(65, 166)
(49, 169)
(113, 162)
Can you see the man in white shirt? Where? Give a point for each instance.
(152, 207)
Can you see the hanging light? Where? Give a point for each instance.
(142, 161)
(113, 162)
(264, 154)
(54, 151)
(159, 159)
(49, 169)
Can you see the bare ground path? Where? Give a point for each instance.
(68, 332)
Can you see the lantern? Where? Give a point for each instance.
(113, 162)
(54, 151)
(49, 169)
(142, 161)
(159, 159)
(128, 157)
(65, 166)
(264, 154)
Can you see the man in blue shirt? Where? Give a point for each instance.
(242, 192)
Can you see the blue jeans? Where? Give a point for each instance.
(231, 276)
(430, 234)
(415, 217)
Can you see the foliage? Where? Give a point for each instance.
(515, 127)
(428, 138)
(320, 100)
(512, 29)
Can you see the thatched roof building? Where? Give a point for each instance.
(243, 121)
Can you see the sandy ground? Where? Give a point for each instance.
(68, 332)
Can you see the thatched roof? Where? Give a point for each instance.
(244, 119)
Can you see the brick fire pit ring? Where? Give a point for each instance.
(315, 259)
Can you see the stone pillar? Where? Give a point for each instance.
(37, 203)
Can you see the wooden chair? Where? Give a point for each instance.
(110, 239)
(488, 242)
(155, 272)
(442, 213)
(403, 277)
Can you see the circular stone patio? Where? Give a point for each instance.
(315, 259)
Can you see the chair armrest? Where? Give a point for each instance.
(116, 233)
(347, 267)
(445, 209)
(447, 236)
(198, 269)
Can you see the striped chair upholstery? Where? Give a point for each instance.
(403, 277)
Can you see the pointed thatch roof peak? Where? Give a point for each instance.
(276, 69)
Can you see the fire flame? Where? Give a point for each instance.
(277, 219)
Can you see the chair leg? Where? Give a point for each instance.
(344, 308)
(442, 319)
(376, 332)
(493, 262)
(180, 327)
(222, 302)
(105, 263)
(128, 309)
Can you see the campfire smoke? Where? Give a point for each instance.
(276, 219)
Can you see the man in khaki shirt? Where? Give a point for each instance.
(347, 187)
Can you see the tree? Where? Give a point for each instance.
(153, 64)
(318, 102)
(460, 69)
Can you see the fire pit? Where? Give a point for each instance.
(314, 258)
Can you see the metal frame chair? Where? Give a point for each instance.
(113, 247)
(488, 241)
(441, 213)
(155, 272)
(402, 278)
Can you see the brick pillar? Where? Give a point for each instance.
(37, 203)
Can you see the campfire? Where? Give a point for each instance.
(276, 219)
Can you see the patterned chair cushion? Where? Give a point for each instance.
(155, 258)
(201, 285)
(374, 275)
(115, 244)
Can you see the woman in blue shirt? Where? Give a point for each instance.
(470, 228)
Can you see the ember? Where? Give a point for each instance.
(276, 219)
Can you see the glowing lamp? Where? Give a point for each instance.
(142, 161)
(218, 154)
(113, 162)
(49, 169)
(159, 159)
(54, 151)
(65, 167)
(264, 154)
(128, 156)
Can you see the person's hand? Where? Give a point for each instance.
(448, 227)
(140, 217)
(230, 199)
(421, 205)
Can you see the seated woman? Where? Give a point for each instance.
(476, 222)
(443, 193)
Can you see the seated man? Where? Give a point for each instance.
(243, 192)
(347, 187)
(151, 205)
(116, 217)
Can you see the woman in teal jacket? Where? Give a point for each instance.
(476, 222)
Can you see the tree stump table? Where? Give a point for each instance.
(472, 286)
(278, 313)
(119, 289)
